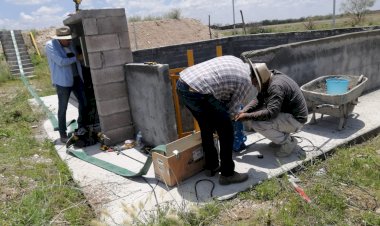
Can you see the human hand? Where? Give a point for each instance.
(80, 57)
(240, 116)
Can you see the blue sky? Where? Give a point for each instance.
(36, 14)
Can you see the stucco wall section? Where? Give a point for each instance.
(353, 54)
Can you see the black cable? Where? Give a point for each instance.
(212, 188)
(312, 146)
(153, 189)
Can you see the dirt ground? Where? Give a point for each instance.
(147, 34)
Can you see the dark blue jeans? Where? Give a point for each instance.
(212, 116)
(63, 100)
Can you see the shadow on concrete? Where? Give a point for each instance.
(208, 188)
(328, 127)
(268, 160)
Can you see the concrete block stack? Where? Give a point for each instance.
(106, 41)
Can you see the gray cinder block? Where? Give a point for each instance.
(113, 106)
(95, 60)
(117, 57)
(107, 75)
(89, 26)
(124, 40)
(115, 24)
(110, 91)
(115, 121)
(99, 43)
(119, 135)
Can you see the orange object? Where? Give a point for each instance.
(300, 191)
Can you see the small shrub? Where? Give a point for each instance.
(5, 73)
(173, 14)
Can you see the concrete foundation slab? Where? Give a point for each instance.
(114, 197)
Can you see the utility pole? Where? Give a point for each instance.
(209, 26)
(233, 14)
(242, 19)
(333, 17)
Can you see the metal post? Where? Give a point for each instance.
(333, 21)
(233, 14)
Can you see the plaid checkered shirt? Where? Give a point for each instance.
(227, 78)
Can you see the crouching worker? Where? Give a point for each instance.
(279, 109)
(213, 91)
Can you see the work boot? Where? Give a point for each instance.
(287, 148)
(235, 178)
(63, 137)
(211, 173)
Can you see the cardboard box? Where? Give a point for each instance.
(183, 158)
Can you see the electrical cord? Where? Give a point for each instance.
(153, 189)
(201, 180)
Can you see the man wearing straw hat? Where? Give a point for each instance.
(213, 91)
(66, 76)
(279, 109)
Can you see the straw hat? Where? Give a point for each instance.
(261, 72)
(63, 33)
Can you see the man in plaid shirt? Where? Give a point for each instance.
(213, 91)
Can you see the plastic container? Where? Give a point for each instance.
(335, 86)
(239, 137)
(139, 140)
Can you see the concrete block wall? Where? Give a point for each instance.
(105, 33)
(176, 56)
(151, 101)
(350, 54)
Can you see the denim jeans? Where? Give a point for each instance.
(212, 115)
(63, 100)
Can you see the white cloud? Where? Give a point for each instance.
(25, 16)
(44, 10)
(42, 17)
(28, 2)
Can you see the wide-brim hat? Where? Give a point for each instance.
(63, 33)
(261, 72)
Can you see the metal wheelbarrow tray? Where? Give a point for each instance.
(340, 105)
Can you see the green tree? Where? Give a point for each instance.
(357, 9)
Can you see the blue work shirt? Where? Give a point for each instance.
(60, 65)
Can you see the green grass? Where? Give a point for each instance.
(36, 186)
(4, 70)
(347, 194)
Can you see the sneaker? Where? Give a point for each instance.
(235, 178)
(211, 173)
(287, 148)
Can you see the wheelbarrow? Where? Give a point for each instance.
(337, 105)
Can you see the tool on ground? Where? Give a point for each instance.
(298, 189)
